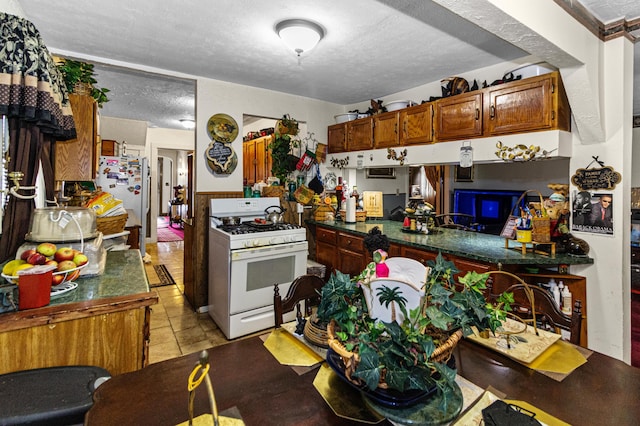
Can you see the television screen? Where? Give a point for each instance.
(490, 209)
(635, 234)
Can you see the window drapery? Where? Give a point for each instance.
(34, 98)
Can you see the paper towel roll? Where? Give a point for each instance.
(350, 210)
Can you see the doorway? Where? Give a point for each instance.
(165, 183)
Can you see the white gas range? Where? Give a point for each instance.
(246, 260)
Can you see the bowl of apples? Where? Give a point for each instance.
(68, 263)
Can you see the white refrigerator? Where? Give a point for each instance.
(127, 178)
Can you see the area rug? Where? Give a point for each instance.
(159, 276)
(169, 234)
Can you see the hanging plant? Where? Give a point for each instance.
(287, 126)
(79, 77)
(282, 161)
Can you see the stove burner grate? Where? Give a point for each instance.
(250, 228)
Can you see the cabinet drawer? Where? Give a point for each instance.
(420, 255)
(326, 235)
(351, 242)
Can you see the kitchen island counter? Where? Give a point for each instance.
(471, 245)
(103, 322)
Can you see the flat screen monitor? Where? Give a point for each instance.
(490, 208)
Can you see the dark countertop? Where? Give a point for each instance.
(471, 245)
(123, 285)
(123, 275)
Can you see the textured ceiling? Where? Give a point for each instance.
(144, 48)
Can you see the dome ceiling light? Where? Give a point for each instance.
(299, 35)
(187, 123)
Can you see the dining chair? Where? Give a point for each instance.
(304, 288)
(547, 313)
(462, 221)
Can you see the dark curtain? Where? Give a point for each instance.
(432, 173)
(34, 98)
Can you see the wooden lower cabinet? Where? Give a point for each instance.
(421, 256)
(352, 257)
(116, 341)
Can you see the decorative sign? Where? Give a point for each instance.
(221, 158)
(590, 179)
(509, 230)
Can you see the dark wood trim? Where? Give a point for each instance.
(620, 28)
(196, 253)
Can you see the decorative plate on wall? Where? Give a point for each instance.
(222, 128)
(330, 181)
(222, 159)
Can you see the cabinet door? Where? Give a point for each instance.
(417, 124)
(76, 159)
(459, 117)
(360, 134)
(249, 162)
(326, 255)
(337, 138)
(262, 172)
(521, 107)
(385, 130)
(350, 262)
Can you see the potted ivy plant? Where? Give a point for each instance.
(408, 355)
(79, 78)
(287, 126)
(282, 161)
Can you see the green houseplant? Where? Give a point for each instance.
(282, 161)
(80, 76)
(401, 356)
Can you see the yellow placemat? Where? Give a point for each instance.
(207, 420)
(290, 351)
(561, 357)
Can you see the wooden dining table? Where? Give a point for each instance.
(248, 380)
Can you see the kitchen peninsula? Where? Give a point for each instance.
(340, 246)
(104, 322)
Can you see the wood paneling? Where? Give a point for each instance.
(114, 341)
(75, 159)
(197, 239)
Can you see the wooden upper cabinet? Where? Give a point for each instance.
(337, 138)
(416, 124)
(256, 160)
(385, 130)
(458, 117)
(76, 159)
(360, 134)
(537, 103)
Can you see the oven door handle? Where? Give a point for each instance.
(275, 250)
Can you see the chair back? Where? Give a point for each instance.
(462, 221)
(546, 310)
(390, 310)
(304, 288)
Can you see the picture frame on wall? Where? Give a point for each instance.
(463, 174)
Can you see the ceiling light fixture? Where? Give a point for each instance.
(188, 123)
(299, 35)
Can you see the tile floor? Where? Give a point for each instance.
(176, 329)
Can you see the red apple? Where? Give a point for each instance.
(51, 262)
(65, 265)
(46, 249)
(36, 259)
(57, 279)
(80, 259)
(25, 254)
(63, 253)
(72, 276)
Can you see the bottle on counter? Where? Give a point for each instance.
(567, 301)
(339, 194)
(561, 290)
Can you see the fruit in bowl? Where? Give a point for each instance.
(67, 261)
